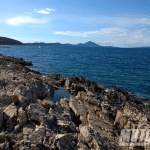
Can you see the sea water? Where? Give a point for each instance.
(126, 68)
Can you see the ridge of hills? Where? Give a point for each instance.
(87, 44)
(9, 41)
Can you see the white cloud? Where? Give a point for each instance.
(24, 19)
(134, 39)
(138, 38)
(114, 36)
(28, 13)
(143, 21)
(105, 32)
(48, 9)
(44, 11)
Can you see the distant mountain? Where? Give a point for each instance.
(88, 44)
(42, 43)
(9, 41)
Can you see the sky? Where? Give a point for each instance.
(121, 23)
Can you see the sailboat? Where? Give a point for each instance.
(40, 46)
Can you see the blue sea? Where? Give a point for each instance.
(126, 68)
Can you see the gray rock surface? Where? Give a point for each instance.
(28, 129)
(34, 111)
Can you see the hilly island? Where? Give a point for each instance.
(87, 44)
(9, 41)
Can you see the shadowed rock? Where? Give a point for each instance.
(1, 117)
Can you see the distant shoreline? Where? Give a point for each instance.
(9, 41)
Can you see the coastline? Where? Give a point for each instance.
(93, 119)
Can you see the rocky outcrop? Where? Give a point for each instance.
(92, 119)
(8, 41)
(12, 60)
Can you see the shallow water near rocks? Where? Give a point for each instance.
(101, 96)
(61, 93)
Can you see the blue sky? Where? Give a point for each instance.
(123, 23)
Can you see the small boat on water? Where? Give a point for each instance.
(40, 46)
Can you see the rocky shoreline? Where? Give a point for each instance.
(91, 120)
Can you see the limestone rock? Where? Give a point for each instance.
(24, 94)
(64, 142)
(48, 121)
(65, 123)
(48, 103)
(79, 109)
(58, 108)
(90, 99)
(64, 102)
(81, 145)
(68, 83)
(4, 97)
(28, 129)
(21, 119)
(38, 134)
(121, 119)
(11, 112)
(96, 140)
(34, 111)
(99, 124)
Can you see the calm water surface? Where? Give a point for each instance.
(128, 69)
